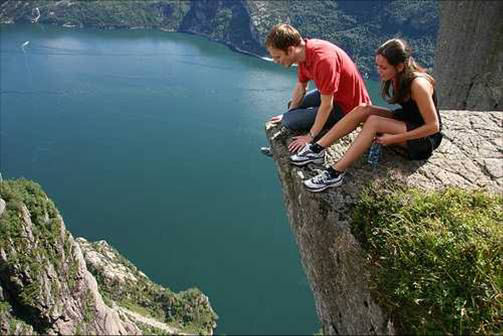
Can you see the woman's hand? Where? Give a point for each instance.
(386, 139)
(299, 142)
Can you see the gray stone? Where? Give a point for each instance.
(470, 156)
(469, 55)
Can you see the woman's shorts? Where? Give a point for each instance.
(422, 148)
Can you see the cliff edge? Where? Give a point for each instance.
(470, 157)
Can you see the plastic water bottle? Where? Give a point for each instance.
(374, 154)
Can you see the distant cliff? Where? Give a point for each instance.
(359, 27)
(469, 58)
(51, 283)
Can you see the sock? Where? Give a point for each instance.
(333, 173)
(316, 148)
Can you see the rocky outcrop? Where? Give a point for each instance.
(125, 288)
(53, 296)
(470, 156)
(469, 56)
(225, 21)
(52, 284)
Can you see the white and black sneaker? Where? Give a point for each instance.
(306, 155)
(324, 180)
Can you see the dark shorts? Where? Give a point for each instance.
(422, 148)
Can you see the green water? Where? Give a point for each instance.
(150, 140)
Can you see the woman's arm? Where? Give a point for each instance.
(421, 93)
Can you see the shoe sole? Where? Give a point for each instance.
(266, 151)
(303, 163)
(337, 184)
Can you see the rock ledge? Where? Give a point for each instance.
(470, 156)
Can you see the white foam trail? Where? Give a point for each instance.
(268, 59)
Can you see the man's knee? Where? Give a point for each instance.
(292, 123)
(288, 123)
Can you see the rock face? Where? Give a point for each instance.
(470, 156)
(59, 298)
(469, 56)
(49, 286)
(224, 21)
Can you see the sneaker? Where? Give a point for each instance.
(266, 151)
(306, 155)
(323, 181)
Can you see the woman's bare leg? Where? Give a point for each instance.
(374, 124)
(350, 122)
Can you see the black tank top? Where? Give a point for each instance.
(411, 111)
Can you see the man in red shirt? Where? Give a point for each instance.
(339, 86)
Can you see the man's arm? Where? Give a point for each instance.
(321, 118)
(298, 94)
(327, 104)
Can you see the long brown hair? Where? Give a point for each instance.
(396, 51)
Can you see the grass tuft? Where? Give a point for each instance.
(437, 257)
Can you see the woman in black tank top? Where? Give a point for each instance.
(415, 126)
(421, 148)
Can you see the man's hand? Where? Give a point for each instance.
(277, 119)
(299, 142)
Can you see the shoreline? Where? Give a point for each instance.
(159, 29)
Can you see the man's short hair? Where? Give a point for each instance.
(283, 36)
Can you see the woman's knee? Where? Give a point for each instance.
(362, 112)
(372, 121)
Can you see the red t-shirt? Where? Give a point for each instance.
(334, 73)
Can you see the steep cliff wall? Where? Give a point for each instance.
(53, 284)
(469, 57)
(470, 157)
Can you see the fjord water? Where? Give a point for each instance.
(150, 140)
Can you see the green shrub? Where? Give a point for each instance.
(436, 257)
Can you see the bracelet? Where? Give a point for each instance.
(311, 135)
